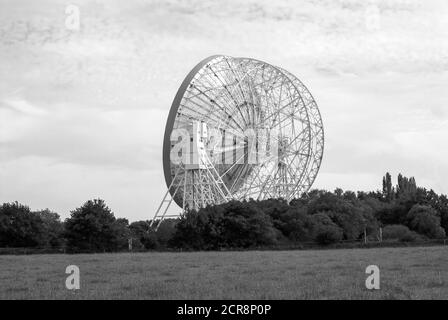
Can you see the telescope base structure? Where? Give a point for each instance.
(198, 187)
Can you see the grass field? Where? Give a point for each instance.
(406, 273)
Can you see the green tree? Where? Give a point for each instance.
(93, 228)
(143, 236)
(443, 209)
(19, 227)
(196, 231)
(399, 232)
(232, 224)
(406, 187)
(346, 212)
(245, 225)
(122, 234)
(52, 229)
(295, 224)
(388, 190)
(165, 232)
(325, 230)
(424, 220)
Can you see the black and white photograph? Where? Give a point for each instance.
(241, 152)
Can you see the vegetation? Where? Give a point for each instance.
(406, 273)
(399, 232)
(404, 212)
(19, 227)
(93, 227)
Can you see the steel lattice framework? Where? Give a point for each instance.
(234, 96)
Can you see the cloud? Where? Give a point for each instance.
(83, 113)
(24, 107)
(41, 183)
(88, 136)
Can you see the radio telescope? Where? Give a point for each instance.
(239, 128)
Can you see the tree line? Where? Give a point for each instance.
(404, 212)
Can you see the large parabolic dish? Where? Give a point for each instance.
(253, 129)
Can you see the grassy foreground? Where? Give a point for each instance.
(406, 273)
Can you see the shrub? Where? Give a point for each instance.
(244, 225)
(328, 234)
(295, 224)
(143, 236)
(424, 220)
(195, 230)
(234, 224)
(325, 230)
(399, 232)
(165, 232)
(150, 241)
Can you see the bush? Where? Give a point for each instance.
(350, 220)
(328, 234)
(325, 230)
(399, 232)
(150, 241)
(294, 223)
(424, 220)
(143, 237)
(244, 225)
(165, 232)
(230, 225)
(318, 216)
(196, 230)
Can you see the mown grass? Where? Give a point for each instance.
(406, 273)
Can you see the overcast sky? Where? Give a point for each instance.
(82, 113)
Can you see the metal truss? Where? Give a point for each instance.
(233, 95)
(196, 187)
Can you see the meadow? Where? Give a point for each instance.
(405, 273)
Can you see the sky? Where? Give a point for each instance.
(83, 110)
